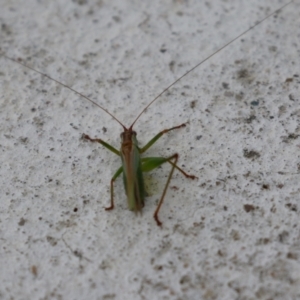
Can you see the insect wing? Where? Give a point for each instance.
(132, 176)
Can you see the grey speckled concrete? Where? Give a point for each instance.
(232, 234)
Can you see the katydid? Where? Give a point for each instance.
(133, 165)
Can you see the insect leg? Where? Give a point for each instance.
(150, 163)
(183, 172)
(106, 145)
(155, 215)
(116, 175)
(152, 141)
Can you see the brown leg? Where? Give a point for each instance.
(175, 157)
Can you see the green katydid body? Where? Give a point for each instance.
(132, 171)
(133, 166)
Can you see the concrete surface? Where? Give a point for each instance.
(233, 233)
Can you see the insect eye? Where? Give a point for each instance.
(134, 132)
(121, 135)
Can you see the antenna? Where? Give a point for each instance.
(167, 88)
(208, 57)
(66, 86)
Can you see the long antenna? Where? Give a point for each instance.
(208, 57)
(64, 85)
(150, 103)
